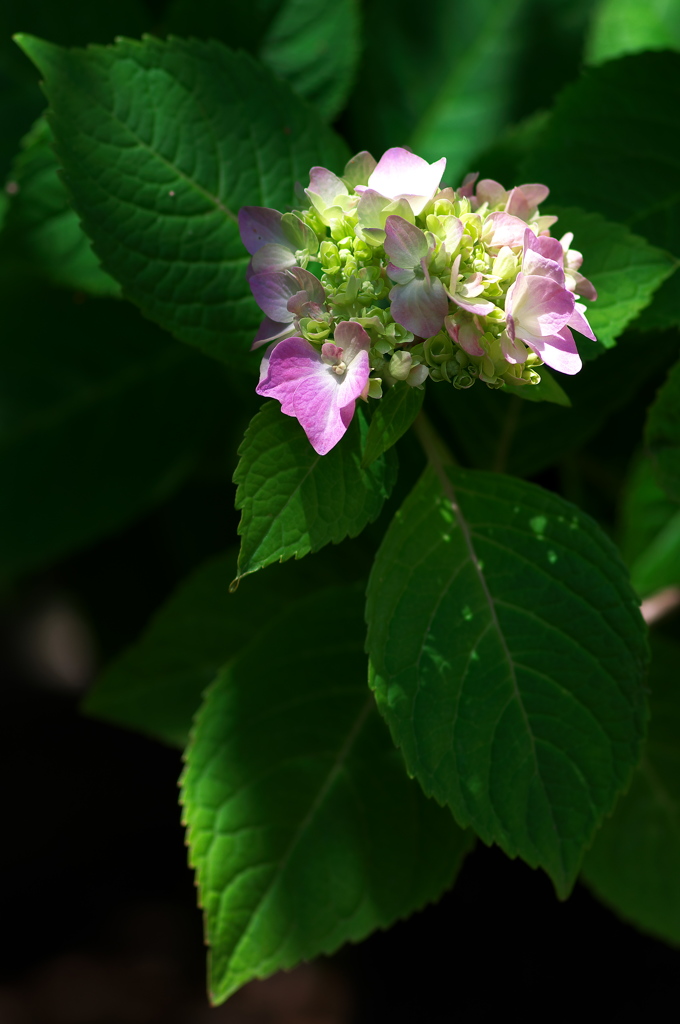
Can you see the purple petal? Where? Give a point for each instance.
(271, 257)
(535, 194)
(482, 307)
(420, 307)
(583, 287)
(272, 292)
(405, 244)
(398, 274)
(546, 246)
(559, 352)
(259, 225)
(270, 330)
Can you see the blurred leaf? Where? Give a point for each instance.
(662, 434)
(294, 501)
(303, 827)
(664, 311)
(314, 44)
(650, 532)
(633, 865)
(627, 26)
(156, 685)
(41, 227)
(507, 655)
(161, 143)
(474, 98)
(624, 268)
(391, 418)
(607, 146)
(101, 417)
(522, 438)
(70, 22)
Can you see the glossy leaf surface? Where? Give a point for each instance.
(508, 656)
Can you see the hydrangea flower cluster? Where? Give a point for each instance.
(411, 281)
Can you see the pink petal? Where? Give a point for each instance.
(535, 194)
(466, 335)
(583, 287)
(503, 229)
(537, 307)
(491, 192)
(420, 307)
(326, 185)
(468, 186)
(400, 173)
(352, 338)
(578, 322)
(259, 225)
(546, 246)
(559, 352)
(405, 244)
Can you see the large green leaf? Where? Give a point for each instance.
(303, 827)
(392, 417)
(627, 26)
(294, 501)
(161, 143)
(662, 434)
(521, 437)
(157, 684)
(625, 269)
(314, 45)
(609, 146)
(101, 416)
(507, 656)
(633, 865)
(650, 532)
(42, 228)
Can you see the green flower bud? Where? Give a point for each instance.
(438, 349)
(314, 330)
(374, 387)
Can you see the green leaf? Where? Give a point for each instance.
(633, 865)
(664, 312)
(521, 437)
(507, 656)
(608, 146)
(662, 434)
(303, 827)
(548, 390)
(41, 226)
(101, 417)
(156, 685)
(650, 533)
(161, 143)
(624, 268)
(314, 46)
(294, 501)
(626, 26)
(392, 417)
